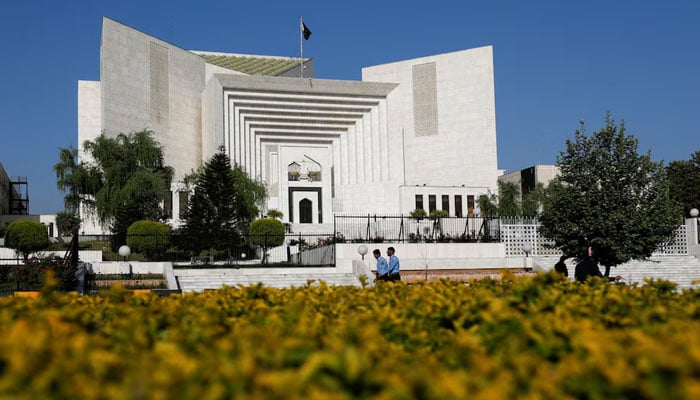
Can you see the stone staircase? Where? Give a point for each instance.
(682, 270)
(193, 282)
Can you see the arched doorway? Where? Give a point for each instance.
(305, 211)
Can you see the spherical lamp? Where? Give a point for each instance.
(124, 251)
(362, 250)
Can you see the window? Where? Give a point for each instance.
(419, 202)
(168, 204)
(182, 198)
(458, 205)
(470, 206)
(446, 203)
(432, 206)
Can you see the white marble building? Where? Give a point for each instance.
(414, 133)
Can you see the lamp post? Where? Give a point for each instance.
(694, 214)
(527, 262)
(362, 250)
(125, 251)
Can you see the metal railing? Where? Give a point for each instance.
(404, 228)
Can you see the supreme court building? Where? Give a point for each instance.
(418, 133)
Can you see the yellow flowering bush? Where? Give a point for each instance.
(533, 337)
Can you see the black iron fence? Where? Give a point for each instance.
(288, 249)
(403, 228)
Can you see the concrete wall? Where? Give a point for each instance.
(693, 231)
(89, 112)
(9, 257)
(431, 256)
(445, 110)
(149, 83)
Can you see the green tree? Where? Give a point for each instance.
(488, 205)
(533, 202)
(684, 181)
(132, 181)
(223, 203)
(150, 238)
(609, 197)
(509, 199)
(26, 237)
(67, 222)
(80, 182)
(266, 232)
(274, 213)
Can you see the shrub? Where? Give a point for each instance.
(418, 213)
(274, 213)
(439, 214)
(534, 337)
(148, 237)
(26, 237)
(267, 232)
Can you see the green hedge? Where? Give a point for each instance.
(151, 238)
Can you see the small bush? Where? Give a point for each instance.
(418, 213)
(26, 237)
(148, 237)
(267, 232)
(439, 214)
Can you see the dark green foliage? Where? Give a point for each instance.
(608, 196)
(439, 214)
(223, 203)
(274, 213)
(150, 238)
(79, 180)
(67, 222)
(267, 232)
(508, 199)
(533, 202)
(127, 181)
(488, 205)
(32, 275)
(26, 237)
(684, 181)
(418, 213)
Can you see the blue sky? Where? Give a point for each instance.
(556, 62)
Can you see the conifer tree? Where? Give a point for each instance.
(224, 201)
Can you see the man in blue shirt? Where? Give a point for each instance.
(393, 265)
(382, 266)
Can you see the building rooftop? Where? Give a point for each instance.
(251, 64)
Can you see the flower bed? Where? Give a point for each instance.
(517, 337)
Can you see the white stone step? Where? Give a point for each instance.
(682, 270)
(203, 282)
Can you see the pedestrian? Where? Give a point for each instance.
(560, 267)
(589, 267)
(382, 271)
(394, 265)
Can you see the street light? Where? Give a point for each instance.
(124, 251)
(362, 250)
(527, 263)
(694, 212)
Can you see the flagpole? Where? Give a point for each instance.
(301, 47)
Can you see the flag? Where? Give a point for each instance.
(306, 31)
